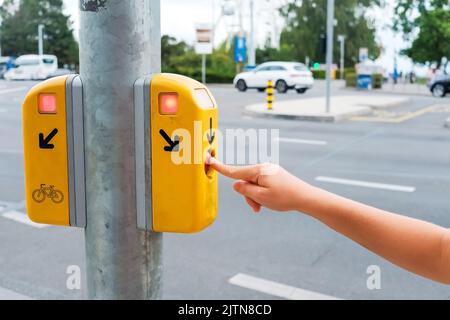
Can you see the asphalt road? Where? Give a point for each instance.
(410, 160)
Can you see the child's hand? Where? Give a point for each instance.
(266, 185)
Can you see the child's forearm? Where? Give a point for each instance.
(418, 246)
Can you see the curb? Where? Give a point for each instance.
(314, 118)
(382, 91)
(392, 105)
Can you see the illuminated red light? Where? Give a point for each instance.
(47, 103)
(168, 103)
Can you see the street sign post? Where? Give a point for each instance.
(363, 54)
(341, 39)
(330, 37)
(240, 49)
(204, 44)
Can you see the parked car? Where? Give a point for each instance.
(285, 76)
(62, 72)
(33, 67)
(2, 69)
(440, 85)
(6, 63)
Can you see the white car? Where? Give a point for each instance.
(285, 76)
(33, 67)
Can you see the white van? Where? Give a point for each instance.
(33, 67)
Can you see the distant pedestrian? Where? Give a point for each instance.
(395, 76)
(412, 77)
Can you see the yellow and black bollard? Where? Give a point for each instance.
(269, 94)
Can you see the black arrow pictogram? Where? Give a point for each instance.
(44, 143)
(211, 135)
(173, 145)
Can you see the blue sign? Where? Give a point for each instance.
(240, 49)
(364, 81)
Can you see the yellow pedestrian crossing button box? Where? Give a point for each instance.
(54, 152)
(175, 129)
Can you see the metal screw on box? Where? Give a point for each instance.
(119, 43)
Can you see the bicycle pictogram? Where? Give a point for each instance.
(47, 191)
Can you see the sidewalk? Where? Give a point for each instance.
(399, 88)
(313, 109)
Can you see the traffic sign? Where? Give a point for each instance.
(240, 49)
(363, 54)
(204, 38)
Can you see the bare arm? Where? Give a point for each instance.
(415, 245)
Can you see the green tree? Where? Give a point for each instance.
(171, 48)
(19, 29)
(178, 57)
(427, 24)
(284, 53)
(306, 21)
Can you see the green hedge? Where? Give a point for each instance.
(350, 80)
(377, 81)
(212, 76)
(319, 74)
(349, 71)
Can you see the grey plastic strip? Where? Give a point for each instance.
(75, 151)
(70, 155)
(78, 149)
(142, 143)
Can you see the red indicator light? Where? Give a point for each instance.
(168, 103)
(47, 103)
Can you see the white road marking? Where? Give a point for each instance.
(6, 294)
(303, 141)
(11, 151)
(276, 289)
(22, 218)
(12, 90)
(366, 184)
(2, 110)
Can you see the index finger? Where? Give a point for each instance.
(247, 173)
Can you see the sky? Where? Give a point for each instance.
(178, 19)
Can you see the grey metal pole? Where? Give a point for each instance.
(41, 39)
(204, 68)
(252, 47)
(119, 43)
(341, 39)
(330, 27)
(1, 54)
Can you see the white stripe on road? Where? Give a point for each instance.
(6, 294)
(11, 151)
(367, 184)
(12, 90)
(303, 141)
(276, 289)
(22, 218)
